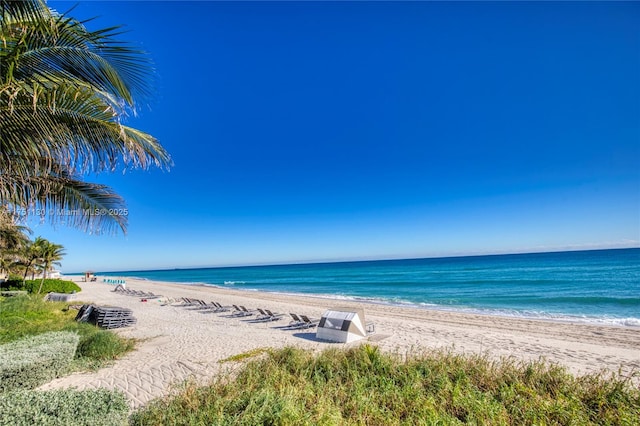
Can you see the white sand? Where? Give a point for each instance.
(180, 343)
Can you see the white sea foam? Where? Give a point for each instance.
(536, 315)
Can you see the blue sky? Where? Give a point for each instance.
(314, 131)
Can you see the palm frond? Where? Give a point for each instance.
(63, 198)
(53, 47)
(64, 92)
(73, 127)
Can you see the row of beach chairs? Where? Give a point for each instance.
(259, 314)
(123, 290)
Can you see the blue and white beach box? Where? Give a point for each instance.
(342, 325)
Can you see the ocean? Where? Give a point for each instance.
(599, 286)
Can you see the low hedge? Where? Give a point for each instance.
(49, 285)
(34, 360)
(13, 282)
(94, 407)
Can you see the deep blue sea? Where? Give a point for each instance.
(601, 286)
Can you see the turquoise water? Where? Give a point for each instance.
(601, 286)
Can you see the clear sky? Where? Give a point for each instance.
(315, 131)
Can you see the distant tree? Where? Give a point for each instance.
(64, 93)
(32, 254)
(50, 254)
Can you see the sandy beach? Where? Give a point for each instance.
(179, 343)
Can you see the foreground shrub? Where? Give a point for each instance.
(32, 361)
(363, 386)
(51, 284)
(103, 345)
(13, 282)
(63, 407)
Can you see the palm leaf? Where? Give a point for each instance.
(73, 127)
(64, 91)
(64, 198)
(50, 47)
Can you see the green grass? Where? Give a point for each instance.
(245, 355)
(23, 316)
(362, 386)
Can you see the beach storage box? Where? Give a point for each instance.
(342, 325)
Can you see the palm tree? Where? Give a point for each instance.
(13, 240)
(64, 94)
(50, 254)
(32, 254)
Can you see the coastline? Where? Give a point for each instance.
(612, 321)
(179, 343)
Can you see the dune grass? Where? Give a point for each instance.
(364, 386)
(23, 316)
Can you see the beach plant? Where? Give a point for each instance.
(31, 253)
(29, 315)
(51, 285)
(65, 94)
(102, 345)
(23, 316)
(50, 254)
(245, 355)
(12, 282)
(362, 385)
(68, 407)
(34, 360)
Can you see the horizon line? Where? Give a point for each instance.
(363, 260)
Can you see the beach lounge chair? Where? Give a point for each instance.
(247, 312)
(263, 315)
(239, 312)
(222, 308)
(216, 307)
(203, 306)
(274, 316)
(296, 322)
(266, 316)
(308, 322)
(186, 302)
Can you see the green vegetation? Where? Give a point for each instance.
(29, 315)
(40, 341)
(102, 345)
(246, 355)
(65, 94)
(363, 386)
(63, 407)
(35, 360)
(12, 282)
(48, 285)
